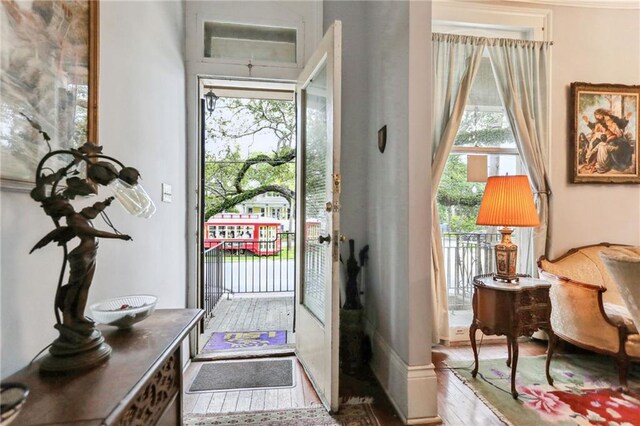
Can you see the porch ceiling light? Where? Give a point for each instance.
(211, 99)
(507, 202)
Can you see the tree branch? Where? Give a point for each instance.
(247, 195)
(265, 159)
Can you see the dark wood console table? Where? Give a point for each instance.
(140, 384)
(513, 310)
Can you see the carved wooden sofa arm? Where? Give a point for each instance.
(586, 308)
(578, 315)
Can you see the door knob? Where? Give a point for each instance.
(326, 239)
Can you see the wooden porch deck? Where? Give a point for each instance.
(243, 314)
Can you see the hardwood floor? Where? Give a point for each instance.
(366, 386)
(457, 404)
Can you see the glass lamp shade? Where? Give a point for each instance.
(211, 100)
(133, 198)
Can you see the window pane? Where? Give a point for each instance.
(249, 42)
(317, 165)
(485, 122)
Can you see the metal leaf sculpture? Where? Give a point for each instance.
(80, 344)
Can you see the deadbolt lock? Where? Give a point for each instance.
(329, 206)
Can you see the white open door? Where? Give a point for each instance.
(317, 218)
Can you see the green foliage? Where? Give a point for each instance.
(458, 200)
(231, 177)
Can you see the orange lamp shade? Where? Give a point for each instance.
(508, 201)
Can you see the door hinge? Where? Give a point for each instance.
(336, 246)
(337, 183)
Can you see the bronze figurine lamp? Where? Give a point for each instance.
(80, 344)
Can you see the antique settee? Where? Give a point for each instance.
(586, 307)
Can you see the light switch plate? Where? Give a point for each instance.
(166, 193)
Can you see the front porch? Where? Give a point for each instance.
(250, 313)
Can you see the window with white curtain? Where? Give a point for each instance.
(484, 131)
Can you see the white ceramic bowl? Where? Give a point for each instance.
(12, 398)
(123, 312)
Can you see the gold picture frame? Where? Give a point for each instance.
(604, 133)
(48, 74)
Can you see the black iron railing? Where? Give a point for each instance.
(265, 266)
(270, 271)
(465, 256)
(213, 279)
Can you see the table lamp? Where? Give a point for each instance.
(507, 202)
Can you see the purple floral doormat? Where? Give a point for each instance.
(235, 340)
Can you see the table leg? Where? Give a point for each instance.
(472, 338)
(553, 340)
(508, 353)
(514, 365)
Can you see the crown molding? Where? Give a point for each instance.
(597, 4)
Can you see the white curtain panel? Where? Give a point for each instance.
(456, 60)
(521, 69)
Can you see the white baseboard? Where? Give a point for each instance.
(412, 389)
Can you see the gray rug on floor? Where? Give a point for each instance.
(226, 375)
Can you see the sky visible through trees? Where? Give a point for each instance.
(249, 151)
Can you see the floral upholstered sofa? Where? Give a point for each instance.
(586, 307)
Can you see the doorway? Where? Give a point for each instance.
(247, 226)
(317, 129)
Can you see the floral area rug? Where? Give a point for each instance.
(585, 391)
(349, 415)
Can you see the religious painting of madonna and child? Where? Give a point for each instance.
(605, 133)
(48, 74)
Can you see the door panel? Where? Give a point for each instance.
(318, 221)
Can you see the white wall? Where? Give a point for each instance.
(594, 45)
(142, 123)
(385, 199)
(356, 141)
(603, 48)
(388, 68)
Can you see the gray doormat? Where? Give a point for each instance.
(221, 375)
